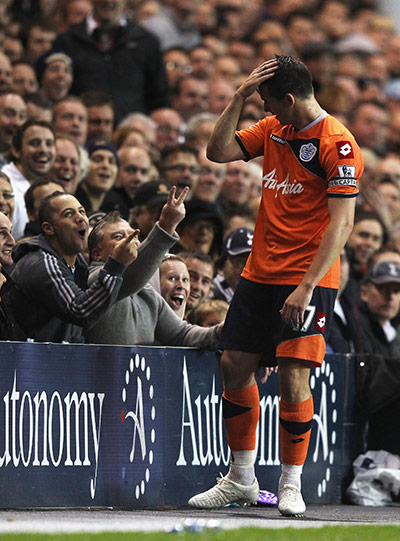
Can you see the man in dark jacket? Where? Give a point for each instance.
(380, 303)
(114, 55)
(380, 294)
(50, 300)
(7, 325)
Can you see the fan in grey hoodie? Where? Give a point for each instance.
(142, 317)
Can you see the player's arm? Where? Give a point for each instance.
(222, 146)
(341, 212)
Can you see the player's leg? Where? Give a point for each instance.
(241, 410)
(295, 416)
(297, 350)
(243, 340)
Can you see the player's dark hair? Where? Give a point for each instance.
(291, 77)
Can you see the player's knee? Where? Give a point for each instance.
(238, 369)
(294, 376)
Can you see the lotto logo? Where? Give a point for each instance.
(320, 321)
(345, 150)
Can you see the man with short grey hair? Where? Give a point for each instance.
(143, 317)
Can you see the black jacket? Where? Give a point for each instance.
(9, 330)
(373, 337)
(48, 301)
(117, 199)
(132, 71)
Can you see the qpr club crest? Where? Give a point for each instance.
(307, 152)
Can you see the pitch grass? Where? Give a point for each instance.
(327, 533)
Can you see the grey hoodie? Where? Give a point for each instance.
(141, 316)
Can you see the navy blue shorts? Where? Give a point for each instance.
(254, 324)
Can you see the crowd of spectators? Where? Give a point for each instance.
(111, 103)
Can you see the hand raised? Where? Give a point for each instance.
(125, 252)
(260, 74)
(174, 210)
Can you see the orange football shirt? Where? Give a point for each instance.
(302, 169)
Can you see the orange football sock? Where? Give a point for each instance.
(241, 410)
(295, 421)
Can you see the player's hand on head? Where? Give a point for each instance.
(174, 210)
(260, 74)
(125, 252)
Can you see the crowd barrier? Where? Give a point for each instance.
(94, 426)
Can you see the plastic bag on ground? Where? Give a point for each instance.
(376, 479)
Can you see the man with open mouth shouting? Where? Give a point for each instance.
(50, 300)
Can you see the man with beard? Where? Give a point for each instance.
(50, 300)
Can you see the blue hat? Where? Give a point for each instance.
(384, 272)
(238, 242)
(101, 144)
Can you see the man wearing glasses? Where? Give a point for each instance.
(180, 168)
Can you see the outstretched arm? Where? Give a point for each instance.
(155, 246)
(222, 146)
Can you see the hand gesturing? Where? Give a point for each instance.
(174, 210)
